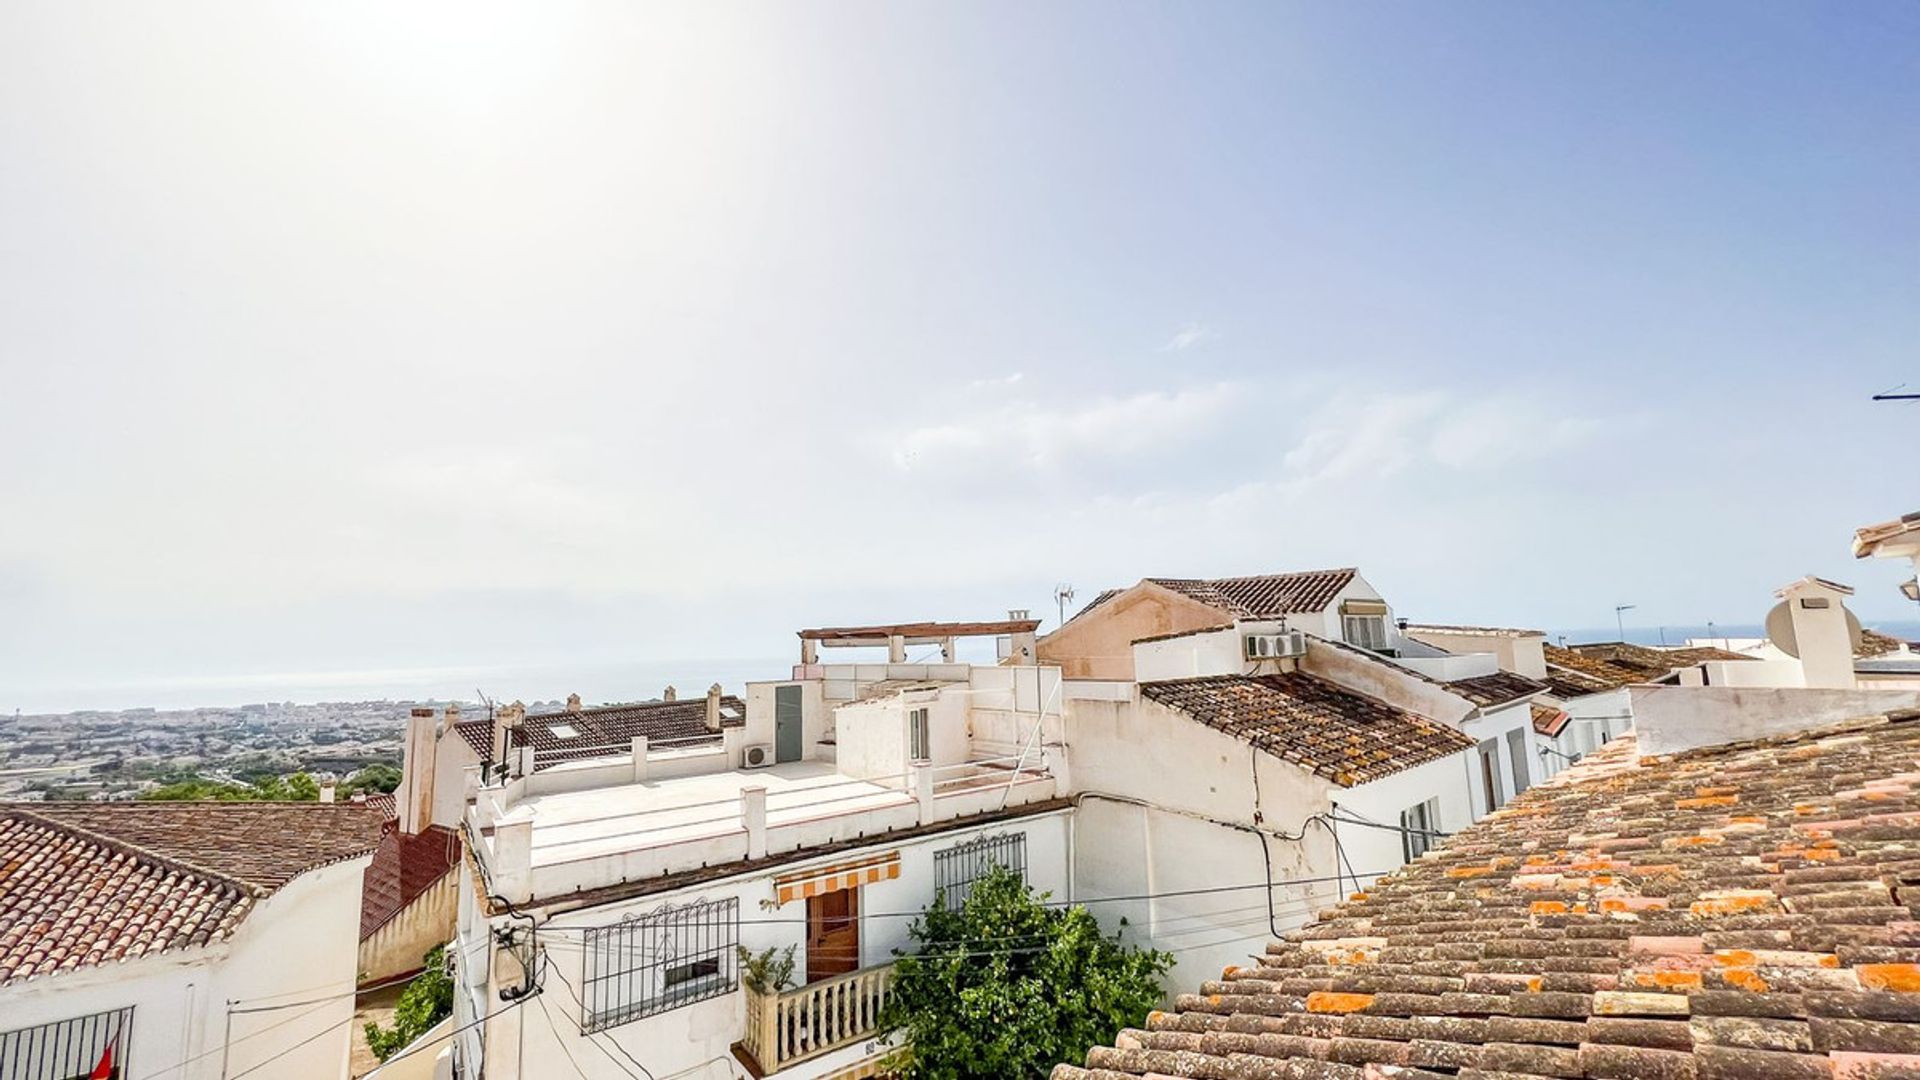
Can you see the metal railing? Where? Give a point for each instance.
(794, 1025)
(83, 1046)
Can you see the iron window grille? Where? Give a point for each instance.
(68, 1049)
(647, 964)
(958, 867)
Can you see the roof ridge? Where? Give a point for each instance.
(140, 851)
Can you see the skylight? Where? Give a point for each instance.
(564, 731)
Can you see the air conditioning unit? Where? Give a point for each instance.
(1276, 646)
(758, 756)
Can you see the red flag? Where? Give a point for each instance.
(104, 1070)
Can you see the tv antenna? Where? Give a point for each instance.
(1895, 394)
(1619, 624)
(1062, 596)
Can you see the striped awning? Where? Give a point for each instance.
(847, 875)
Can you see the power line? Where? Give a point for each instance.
(549, 928)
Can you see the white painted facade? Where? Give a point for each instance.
(223, 1010)
(573, 847)
(1225, 846)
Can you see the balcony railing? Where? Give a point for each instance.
(794, 1025)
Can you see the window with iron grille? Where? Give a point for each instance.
(95, 1045)
(650, 963)
(1419, 825)
(958, 867)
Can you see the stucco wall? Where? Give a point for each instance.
(291, 948)
(1099, 643)
(697, 1038)
(398, 947)
(1377, 679)
(1669, 719)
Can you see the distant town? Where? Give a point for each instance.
(113, 756)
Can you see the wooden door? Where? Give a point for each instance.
(833, 934)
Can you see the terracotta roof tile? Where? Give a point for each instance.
(1548, 720)
(680, 722)
(1734, 911)
(1324, 728)
(86, 883)
(1497, 688)
(1591, 669)
(1261, 596)
(403, 868)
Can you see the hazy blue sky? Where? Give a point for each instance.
(362, 335)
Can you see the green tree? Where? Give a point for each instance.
(299, 787)
(425, 1002)
(374, 778)
(1007, 987)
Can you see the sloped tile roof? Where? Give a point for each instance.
(1589, 669)
(88, 883)
(1549, 721)
(1737, 911)
(1867, 539)
(403, 868)
(1261, 596)
(681, 722)
(1497, 688)
(1414, 629)
(1321, 727)
(1874, 643)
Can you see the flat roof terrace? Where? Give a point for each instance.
(581, 824)
(562, 842)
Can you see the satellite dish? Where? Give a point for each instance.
(1780, 629)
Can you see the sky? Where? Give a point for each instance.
(368, 337)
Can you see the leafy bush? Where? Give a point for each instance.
(425, 1002)
(381, 779)
(768, 972)
(1007, 987)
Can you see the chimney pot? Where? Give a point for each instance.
(670, 694)
(573, 702)
(713, 707)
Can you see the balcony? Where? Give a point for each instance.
(794, 1025)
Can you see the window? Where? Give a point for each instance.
(659, 961)
(100, 1044)
(1420, 822)
(1366, 631)
(1517, 759)
(958, 867)
(917, 735)
(1490, 774)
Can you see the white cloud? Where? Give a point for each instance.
(1025, 434)
(1189, 336)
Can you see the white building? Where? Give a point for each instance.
(179, 941)
(609, 892)
(1275, 742)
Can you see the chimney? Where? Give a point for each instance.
(506, 723)
(413, 802)
(713, 707)
(326, 792)
(573, 702)
(669, 694)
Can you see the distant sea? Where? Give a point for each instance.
(594, 682)
(1678, 634)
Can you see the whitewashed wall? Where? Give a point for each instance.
(293, 947)
(697, 1037)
